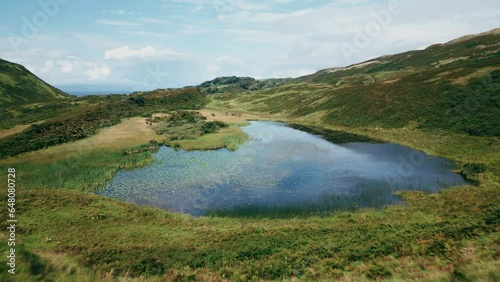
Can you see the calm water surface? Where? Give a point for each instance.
(281, 166)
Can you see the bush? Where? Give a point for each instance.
(495, 76)
(473, 169)
(378, 272)
(212, 126)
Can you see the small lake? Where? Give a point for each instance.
(281, 168)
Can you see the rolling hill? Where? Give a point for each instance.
(443, 100)
(19, 86)
(231, 84)
(453, 86)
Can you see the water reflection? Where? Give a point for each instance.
(281, 167)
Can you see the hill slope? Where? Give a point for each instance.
(69, 235)
(232, 84)
(85, 116)
(453, 86)
(19, 86)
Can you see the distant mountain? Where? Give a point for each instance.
(19, 86)
(232, 84)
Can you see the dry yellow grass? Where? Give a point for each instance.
(477, 73)
(13, 130)
(130, 132)
(227, 117)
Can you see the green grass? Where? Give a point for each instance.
(462, 96)
(231, 84)
(69, 235)
(230, 138)
(191, 131)
(19, 86)
(449, 111)
(87, 119)
(25, 114)
(79, 172)
(436, 235)
(444, 236)
(468, 109)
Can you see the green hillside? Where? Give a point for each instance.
(19, 86)
(233, 84)
(443, 100)
(453, 86)
(85, 116)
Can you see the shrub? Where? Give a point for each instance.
(473, 169)
(377, 272)
(212, 126)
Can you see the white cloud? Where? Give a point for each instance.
(195, 29)
(224, 65)
(48, 66)
(98, 73)
(302, 72)
(120, 12)
(212, 71)
(152, 20)
(224, 6)
(225, 59)
(146, 33)
(65, 66)
(115, 23)
(146, 52)
(262, 17)
(251, 38)
(31, 68)
(197, 8)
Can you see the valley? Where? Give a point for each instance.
(443, 101)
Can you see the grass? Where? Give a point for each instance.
(230, 138)
(310, 105)
(94, 114)
(81, 172)
(20, 86)
(444, 236)
(13, 130)
(462, 96)
(69, 235)
(129, 133)
(437, 235)
(192, 130)
(32, 113)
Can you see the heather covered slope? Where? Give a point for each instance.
(58, 123)
(453, 86)
(442, 100)
(19, 86)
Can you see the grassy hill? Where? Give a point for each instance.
(19, 86)
(234, 84)
(453, 86)
(443, 100)
(84, 117)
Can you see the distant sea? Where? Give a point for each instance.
(80, 93)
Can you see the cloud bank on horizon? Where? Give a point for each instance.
(141, 45)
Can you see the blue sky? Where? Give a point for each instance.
(146, 44)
